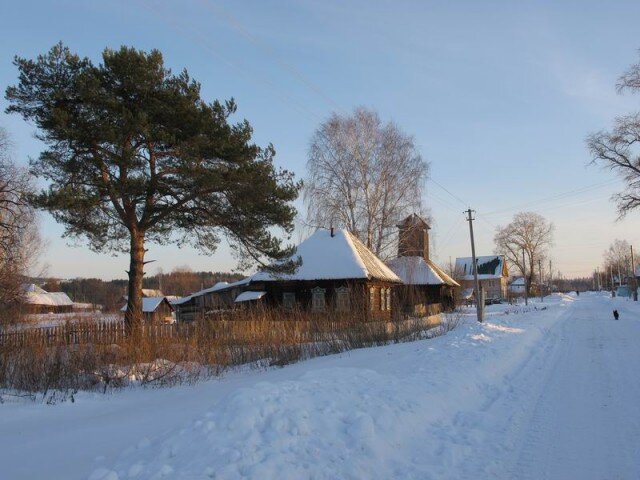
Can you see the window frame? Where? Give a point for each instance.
(315, 292)
(286, 297)
(342, 301)
(372, 298)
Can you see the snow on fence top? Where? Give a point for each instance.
(327, 257)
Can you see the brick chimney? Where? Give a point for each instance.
(413, 237)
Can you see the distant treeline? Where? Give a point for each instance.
(109, 293)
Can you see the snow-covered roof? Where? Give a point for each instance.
(326, 257)
(217, 287)
(35, 295)
(152, 292)
(149, 304)
(249, 296)
(518, 282)
(32, 288)
(489, 267)
(181, 300)
(418, 271)
(467, 294)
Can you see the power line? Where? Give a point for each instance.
(448, 192)
(557, 196)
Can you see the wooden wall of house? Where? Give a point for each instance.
(424, 300)
(32, 308)
(359, 295)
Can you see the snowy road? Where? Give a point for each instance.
(585, 412)
(535, 394)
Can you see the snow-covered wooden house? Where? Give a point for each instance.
(38, 300)
(493, 275)
(338, 273)
(426, 289)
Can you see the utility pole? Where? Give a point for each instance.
(479, 299)
(540, 281)
(524, 278)
(550, 278)
(634, 283)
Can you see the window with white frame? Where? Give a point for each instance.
(372, 298)
(343, 303)
(388, 299)
(383, 300)
(289, 300)
(318, 302)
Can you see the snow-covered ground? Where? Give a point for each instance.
(550, 393)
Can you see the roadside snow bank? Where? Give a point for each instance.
(401, 411)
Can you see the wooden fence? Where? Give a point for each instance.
(226, 331)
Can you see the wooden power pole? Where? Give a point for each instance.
(634, 282)
(479, 296)
(524, 278)
(540, 280)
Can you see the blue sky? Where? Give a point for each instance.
(498, 95)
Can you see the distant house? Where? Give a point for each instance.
(624, 291)
(155, 310)
(426, 288)
(517, 286)
(208, 301)
(147, 292)
(338, 273)
(38, 300)
(493, 275)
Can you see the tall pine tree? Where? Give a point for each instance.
(135, 155)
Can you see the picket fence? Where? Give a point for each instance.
(228, 331)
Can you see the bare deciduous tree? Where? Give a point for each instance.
(527, 231)
(19, 240)
(364, 176)
(617, 259)
(619, 149)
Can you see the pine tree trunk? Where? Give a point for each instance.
(133, 316)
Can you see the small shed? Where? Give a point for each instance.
(155, 310)
(517, 286)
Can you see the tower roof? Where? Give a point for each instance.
(413, 220)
